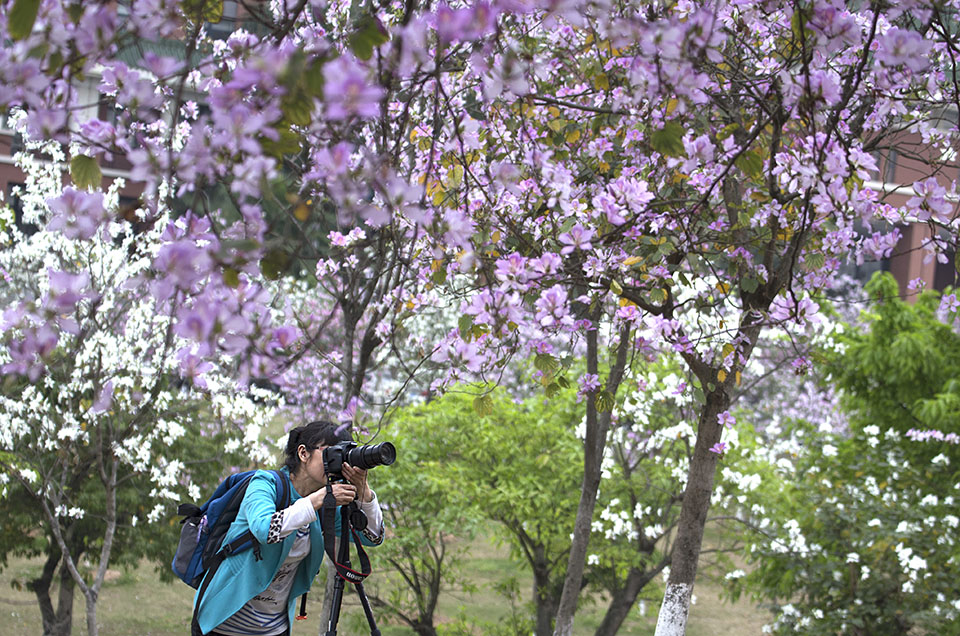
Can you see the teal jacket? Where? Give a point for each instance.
(241, 577)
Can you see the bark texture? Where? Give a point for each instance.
(596, 439)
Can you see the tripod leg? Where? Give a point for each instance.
(366, 610)
(335, 603)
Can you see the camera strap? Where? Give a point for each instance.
(328, 512)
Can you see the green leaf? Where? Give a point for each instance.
(749, 285)
(231, 277)
(75, 11)
(213, 10)
(439, 277)
(751, 163)
(563, 382)
(368, 35)
(465, 325)
(274, 264)
(297, 108)
(814, 261)
(604, 401)
(313, 79)
(668, 140)
(552, 389)
(546, 363)
(483, 405)
(616, 288)
(288, 143)
(22, 16)
(85, 172)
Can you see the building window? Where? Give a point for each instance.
(228, 22)
(14, 201)
(6, 128)
(945, 274)
(890, 167)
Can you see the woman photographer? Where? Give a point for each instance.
(257, 596)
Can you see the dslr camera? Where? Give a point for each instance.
(365, 457)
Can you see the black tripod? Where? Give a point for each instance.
(351, 520)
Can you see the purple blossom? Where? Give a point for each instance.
(918, 435)
(552, 310)
(183, 264)
(347, 92)
(460, 228)
(96, 28)
(578, 238)
(931, 198)
(801, 366)
(192, 367)
(99, 134)
(726, 419)
(802, 312)
(835, 25)
(196, 322)
(46, 123)
(949, 304)
(162, 67)
(66, 290)
(251, 175)
(512, 270)
(719, 448)
(901, 46)
(589, 382)
(77, 214)
(282, 338)
(104, 399)
(330, 162)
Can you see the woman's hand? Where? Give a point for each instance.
(344, 494)
(358, 477)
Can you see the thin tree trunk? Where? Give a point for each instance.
(41, 588)
(625, 598)
(594, 444)
(91, 597)
(545, 599)
(675, 609)
(425, 629)
(64, 620)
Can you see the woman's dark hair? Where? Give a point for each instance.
(313, 435)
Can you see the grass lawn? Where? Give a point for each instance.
(137, 603)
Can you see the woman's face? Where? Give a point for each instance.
(311, 465)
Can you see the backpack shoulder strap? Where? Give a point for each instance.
(283, 489)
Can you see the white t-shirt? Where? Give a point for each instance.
(266, 613)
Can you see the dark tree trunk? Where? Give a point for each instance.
(425, 629)
(546, 598)
(596, 440)
(59, 621)
(693, 517)
(625, 598)
(41, 587)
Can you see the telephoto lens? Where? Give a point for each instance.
(365, 457)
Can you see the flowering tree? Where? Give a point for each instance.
(115, 430)
(582, 176)
(861, 537)
(685, 173)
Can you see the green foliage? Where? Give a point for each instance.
(517, 464)
(367, 35)
(22, 16)
(669, 139)
(85, 172)
(902, 372)
(862, 536)
(429, 517)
